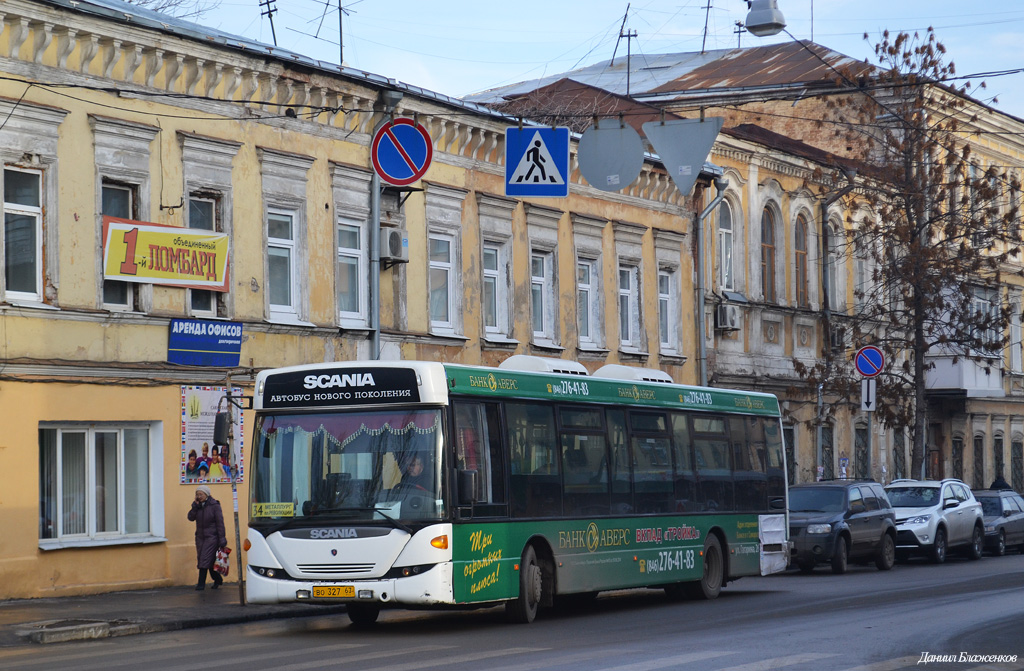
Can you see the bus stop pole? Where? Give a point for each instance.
(233, 472)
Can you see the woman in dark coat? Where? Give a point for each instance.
(210, 534)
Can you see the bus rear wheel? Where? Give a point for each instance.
(713, 573)
(524, 608)
(363, 614)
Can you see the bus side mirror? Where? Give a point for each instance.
(221, 426)
(777, 503)
(467, 487)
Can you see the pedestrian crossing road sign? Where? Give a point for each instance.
(537, 162)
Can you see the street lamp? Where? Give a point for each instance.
(764, 18)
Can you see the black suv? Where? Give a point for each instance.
(836, 521)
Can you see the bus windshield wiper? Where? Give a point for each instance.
(370, 509)
(394, 522)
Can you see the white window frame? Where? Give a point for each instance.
(588, 295)
(726, 270)
(665, 312)
(444, 220)
(360, 255)
(985, 301)
(498, 278)
(35, 213)
(447, 268)
(768, 254)
(281, 311)
(285, 187)
(834, 268)
(131, 303)
(351, 189)
(29, 136)
(542, 285)
(1016, 346)
(668, 247)
(633, 338)
(214, 295)
(122, 153)
(542, 228)
(807, 284)
(629, 306)
(153, 473)
(495, 216)
(588, 237)
(208, 165)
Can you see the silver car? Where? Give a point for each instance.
(935, 516)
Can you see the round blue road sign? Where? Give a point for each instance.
(401, 152)
(869, 361)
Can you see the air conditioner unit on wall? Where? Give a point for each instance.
(394, 245)
(727, 317)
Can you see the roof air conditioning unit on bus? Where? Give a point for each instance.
(727, 317)
(637, 374)
(394, 245)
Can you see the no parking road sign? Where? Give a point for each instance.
(401, 152)
(869, 361)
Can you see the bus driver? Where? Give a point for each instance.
(413, 474)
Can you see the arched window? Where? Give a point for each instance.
(768, 255)
(725, 232)
(832, 268)
(800, 245)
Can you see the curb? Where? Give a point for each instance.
(63, 631)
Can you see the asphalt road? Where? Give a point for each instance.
(866, 620)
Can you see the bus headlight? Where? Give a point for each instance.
(275, 573)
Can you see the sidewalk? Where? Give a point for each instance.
(59, 619)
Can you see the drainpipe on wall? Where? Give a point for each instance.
(720, 185)
(826, 307)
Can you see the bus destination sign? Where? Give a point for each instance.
(332, 387)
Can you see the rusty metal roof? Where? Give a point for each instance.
(792, 63)
(789, 65)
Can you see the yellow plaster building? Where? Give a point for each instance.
(158, 124)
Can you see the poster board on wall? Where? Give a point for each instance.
(201, 461)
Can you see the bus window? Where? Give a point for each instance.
(652, 464)
(749, 478)
(478, 448)
(584, 474)
(712, 459)
(536, 485)
(687, 497)
(580, 418)
(622, 479)
(647, 422)
(775, 459)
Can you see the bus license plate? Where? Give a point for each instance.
(334, 592)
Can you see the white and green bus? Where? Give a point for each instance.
(422, 484)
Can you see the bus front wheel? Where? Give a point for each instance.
(524, 608)
(363, 614)
(713, 573)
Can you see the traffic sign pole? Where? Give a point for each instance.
(869, 361)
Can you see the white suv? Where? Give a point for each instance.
(934, 516)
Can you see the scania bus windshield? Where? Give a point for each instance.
(346, 466)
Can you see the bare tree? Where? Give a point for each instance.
(932, 237)
(182, 9)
